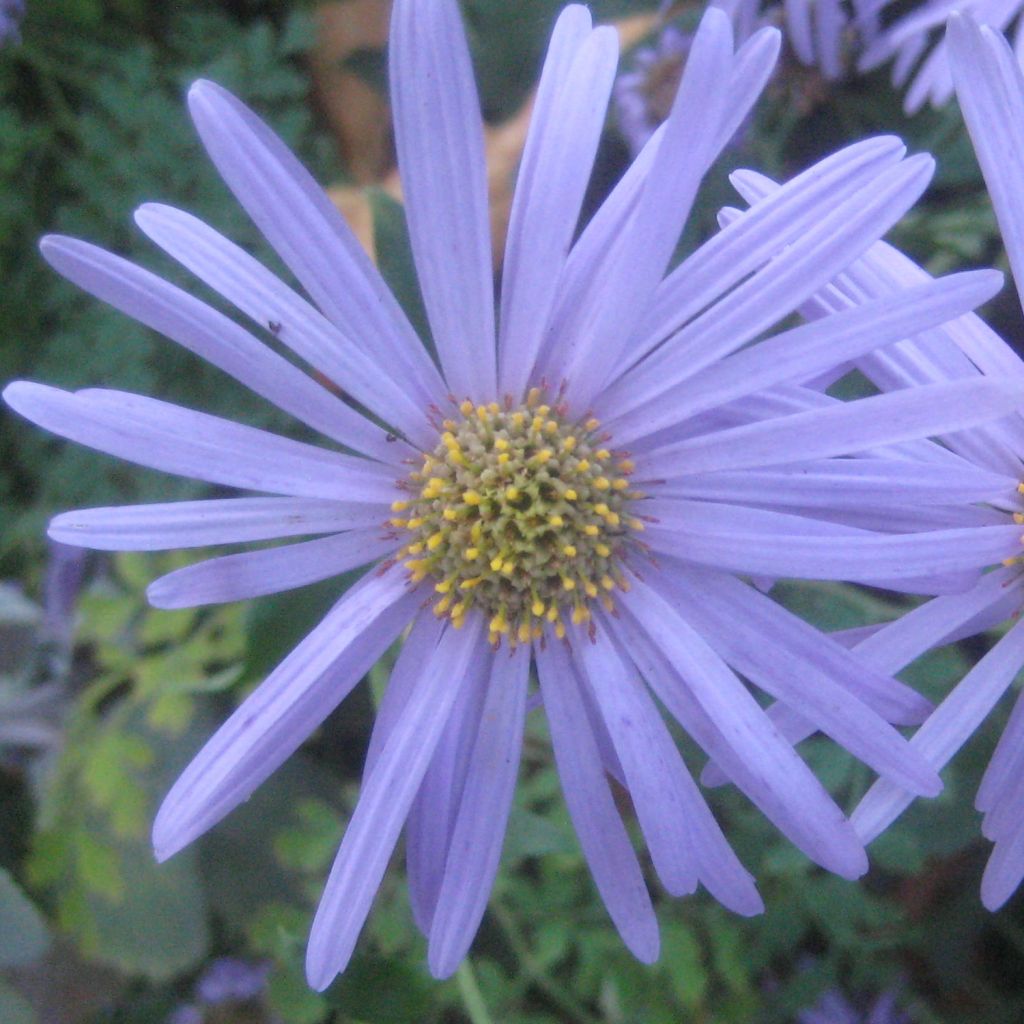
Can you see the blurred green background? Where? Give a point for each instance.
(103, 700)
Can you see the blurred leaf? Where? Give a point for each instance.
(23, 932)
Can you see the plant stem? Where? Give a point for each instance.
(470, 992)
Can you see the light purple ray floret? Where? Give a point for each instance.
(919, 52)
(664, 358)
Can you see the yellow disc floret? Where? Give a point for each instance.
(522, 514)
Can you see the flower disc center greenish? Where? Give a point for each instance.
(522, 514)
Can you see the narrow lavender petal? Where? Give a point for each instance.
(839, 483)
(858, 557)
(884, 269)
(598, 825)
(784, 807)
(799, 29)
(1005, 868)
(933, 81)
(896, 644)
(272, 722)
(568, 118)
(267, 300)
(841, 429)
(718, 866)
(603, 738)
(417, 649)
(990, 88)
(907, 29)
(782, 776)
(899, 642)
(267, 571)
(479, 831)
(312, 238)
(840, 235)
(649, 758)
(811, 348)
(1005, 769)
(752, 68)
(193, 444)
(759, 234)
(211, 335)
(194, 524)
(819, 680)
(439, 141)
(428, 828)
(1003, 819)
(947, 729)
(863, 671)
(586, 267)
(642, 253)
(383, 804)
(830, 24)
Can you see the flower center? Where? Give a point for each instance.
(522, 514)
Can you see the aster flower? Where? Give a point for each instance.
(991, 92)
(510, 524)
(984, 464)
(919, 52)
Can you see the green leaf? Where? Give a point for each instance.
(23, 933)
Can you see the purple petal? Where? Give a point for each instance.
(947, 729)
(195, 524)
(782, 776)
(439, 140)
(383, 804)
(1005, 868)
(568, 118)
(791, 797)
(641, 253)
(840, 235)
(310, 235)
(795, 664)
(267, 571)
(193, 444)
(990, 88)
(479, 830)
(840, 429)
(266, 299)
(428, 829)
(277, 716)
(649, 759)
(598, 825)
(840, 483)
(211, 335)
(727, 258)
(813, 348)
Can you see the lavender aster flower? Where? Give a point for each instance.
(511, 525)
(991, 92)
(920, 54)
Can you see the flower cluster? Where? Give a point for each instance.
(576, 494)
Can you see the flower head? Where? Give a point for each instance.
(568, 489)
(987, 459)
